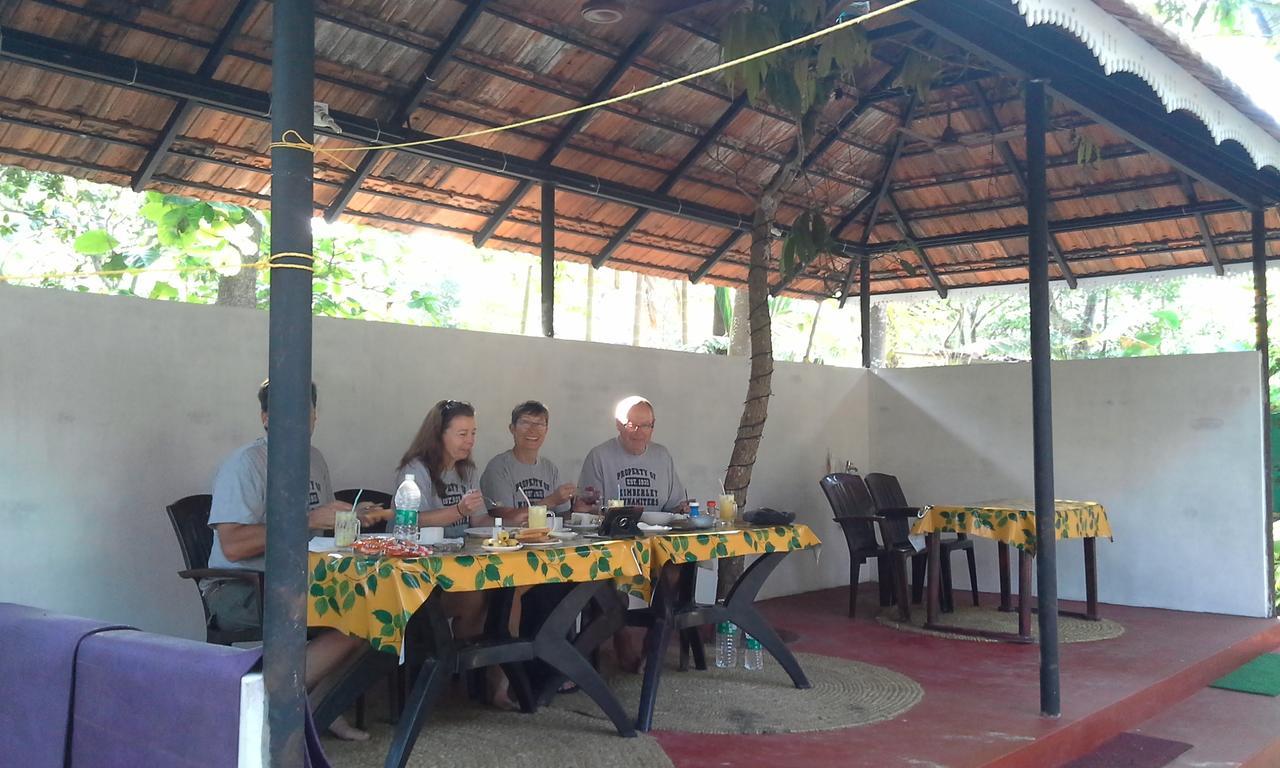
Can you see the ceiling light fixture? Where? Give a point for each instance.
(602, 11)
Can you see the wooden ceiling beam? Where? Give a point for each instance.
(1011, 162)
(602, 89)
(716, 257)
(1206, 234)
(905, 227)
(177, 119)
(399, 116)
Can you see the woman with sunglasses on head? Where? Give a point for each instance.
(439, 458)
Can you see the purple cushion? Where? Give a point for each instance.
(37, 669)
(144, 699)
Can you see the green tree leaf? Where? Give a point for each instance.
(95, 242)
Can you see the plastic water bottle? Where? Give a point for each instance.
(408, 499)
(752, 654)
(726, 645)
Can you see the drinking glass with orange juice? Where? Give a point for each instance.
(728, 508)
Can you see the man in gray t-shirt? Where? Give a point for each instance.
(522, 469)
(240, 497)
(632, 467)
(238, 519)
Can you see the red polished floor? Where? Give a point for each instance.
(981, 703)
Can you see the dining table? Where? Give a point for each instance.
(375, 597)
(1012, 523)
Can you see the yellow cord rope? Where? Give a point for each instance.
(265, 264)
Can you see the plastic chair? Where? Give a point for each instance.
(887, 494)
(856, 513)
(377, 497)
(190, 519)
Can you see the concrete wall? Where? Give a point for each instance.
(1170, 445)
(113, 407)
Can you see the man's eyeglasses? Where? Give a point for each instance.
(632, 427)
(530, 424)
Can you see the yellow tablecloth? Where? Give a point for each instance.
(695, 546)
(1014, 521)
(374, 597)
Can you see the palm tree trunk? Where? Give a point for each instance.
(759, 388)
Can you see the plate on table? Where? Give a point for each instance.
(495, 548)
(543, 544)
(580, 529)
(563, 534)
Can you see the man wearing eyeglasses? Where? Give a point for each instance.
(520, 473)
(632, 467)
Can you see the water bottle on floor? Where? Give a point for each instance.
(726, 645)
(752, 654)
(407, 500)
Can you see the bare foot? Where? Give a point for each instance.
(346, 731)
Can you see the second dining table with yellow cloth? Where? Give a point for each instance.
(1012, 523)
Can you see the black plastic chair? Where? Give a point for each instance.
(190, 519)
(887, 493)
(377, 497)
(856, 513)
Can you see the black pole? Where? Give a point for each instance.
(864, 307)
(1042, 400)
(1259, 237)
(289, 447)
(548, 259)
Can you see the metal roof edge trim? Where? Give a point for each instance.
(1119, 49)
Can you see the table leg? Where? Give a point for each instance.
(552, 646)
(432, 682)
(934, 544)
(1024, 595)
(739, 608)
(1006, 601)
(655, 648)
(1091, 577)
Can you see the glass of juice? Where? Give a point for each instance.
(728, 508)
(538, 516)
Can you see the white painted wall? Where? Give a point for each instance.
(112, 407)
(1171, 446)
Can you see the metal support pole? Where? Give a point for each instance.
(1042, 400)
(1259, 237)
(548, 259)
(864, 307)
(289, 448)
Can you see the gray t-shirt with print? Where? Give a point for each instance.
(455, 487)
(240, 496)
(648, 480)
(505, 474)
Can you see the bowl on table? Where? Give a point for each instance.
(658, 518)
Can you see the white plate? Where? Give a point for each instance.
(491, 548)
(565, 534)
(543, 544)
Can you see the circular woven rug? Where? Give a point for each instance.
(459, 734)
(987, 618)
(844, 693)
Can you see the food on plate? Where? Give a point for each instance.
(533, 535)
(504, 538)
(387, 547)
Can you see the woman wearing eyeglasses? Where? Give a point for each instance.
(439, 458)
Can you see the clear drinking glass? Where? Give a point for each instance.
(346, 527)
